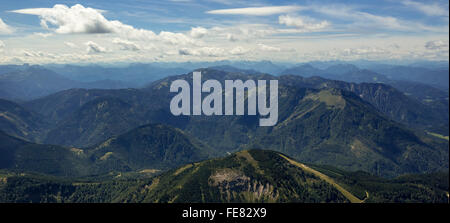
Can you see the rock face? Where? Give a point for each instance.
(246, 176)
(231, 181)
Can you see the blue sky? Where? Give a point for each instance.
(36, 31)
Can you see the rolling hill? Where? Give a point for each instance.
(151, 147)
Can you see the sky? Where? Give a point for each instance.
(111, 31)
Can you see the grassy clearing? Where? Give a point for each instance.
(438, 135)
(352, 198)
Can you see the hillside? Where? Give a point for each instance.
(95, 121)
(337, 128)
(422, 110)
(246, 176)
(20, 122)
(20, 155)
(151, 147)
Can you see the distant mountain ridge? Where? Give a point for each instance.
(343, 72)
(35, 81)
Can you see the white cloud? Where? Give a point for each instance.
(76, 19)
(2, 46)
(93, 48)
(351, 53)
(43, 35)
(231, 37)
(257, 11)
(70, 44)
(238, 51)
(203, 51)
(38, 54)
(4, 28)
(430, 9)
(264, 47)
(126, 45)
(212, 52)
(241, 32)
(302, 23)
(437, 45)
(80, 19)
(198, 32)
(175, 38)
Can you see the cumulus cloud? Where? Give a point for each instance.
(93, 48)
(76, 19)
(198, 32)
(126, 45)
(4, 28)
(302, 23)
(80, 19)
(257, 11)
(175, 38)
(437, 45)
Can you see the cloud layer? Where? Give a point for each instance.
(288, 32)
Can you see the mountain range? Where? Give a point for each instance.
(320, 121)
(344, 134)
(35, 81)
